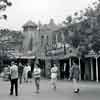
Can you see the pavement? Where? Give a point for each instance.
(88, 91)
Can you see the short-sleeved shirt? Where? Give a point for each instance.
(14, 72)
(26, 69)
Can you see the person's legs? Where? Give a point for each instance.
(37, 81)
(30, 79)
(27, 77)
(20, 78)
(10, 85)
(37, 84)
(75, 86)
(64, 75)
(11, 89)
(24, 77)
(54, 84)
(16, 87)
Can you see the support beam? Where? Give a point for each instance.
(47, 68)
(80, 68)
(70, 65)
(97, 69)
(70, 62)
(91, 62)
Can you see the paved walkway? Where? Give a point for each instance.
(89, 91)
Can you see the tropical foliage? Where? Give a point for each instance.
(84, 29)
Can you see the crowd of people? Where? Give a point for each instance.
(20, 73)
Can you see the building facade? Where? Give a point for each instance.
(47, 42)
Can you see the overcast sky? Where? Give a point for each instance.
(35, 10)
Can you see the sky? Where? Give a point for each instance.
(41, 10)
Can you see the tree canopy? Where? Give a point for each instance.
(85, 27)
(3, 6)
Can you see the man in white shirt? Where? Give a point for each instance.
(36, 73)
(54, 71)
(14, 78)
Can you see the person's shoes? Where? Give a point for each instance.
(20, 82)
(76, 90)
(11, 94)
(55, 88)
(37, 92)
(30, 81)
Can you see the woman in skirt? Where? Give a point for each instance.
(75, 71)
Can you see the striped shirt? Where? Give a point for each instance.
(37, 72)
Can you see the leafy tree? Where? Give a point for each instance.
(10, 40)
(68, 20)
(3, 5)
(85, 29)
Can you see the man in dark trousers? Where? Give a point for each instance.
(14, 78)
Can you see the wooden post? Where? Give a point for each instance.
(91, 69)
(47, 65)
(70, 62)
(97, 69)
(70, 65)
(80, 68)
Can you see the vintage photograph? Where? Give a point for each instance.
(49, 49)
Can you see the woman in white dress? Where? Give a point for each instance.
(54, 71)
(27, 68)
